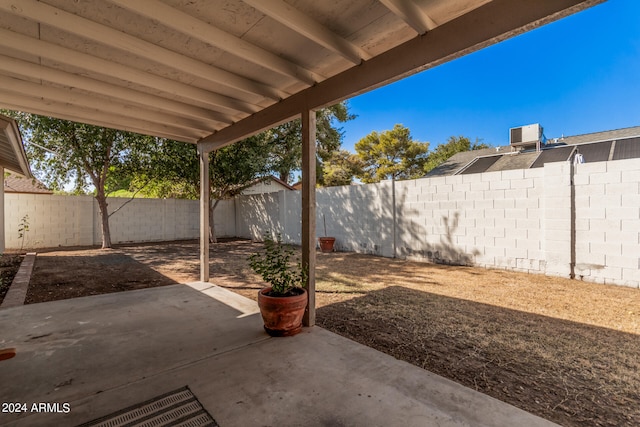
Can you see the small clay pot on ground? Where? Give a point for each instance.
(326, 243)
(282, 315)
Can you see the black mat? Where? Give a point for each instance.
(179, 408)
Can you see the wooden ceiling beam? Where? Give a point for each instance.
(63, 55)
(74, 24)
(49, 108)
(200, 30)
(410, 13)
(288, 16)
(35, 71)
(105, 105)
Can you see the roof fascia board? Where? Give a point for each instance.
(487, 25)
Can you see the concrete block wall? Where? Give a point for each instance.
(257, 214)
(143, 222)
(224, 219)
(556, 200)
(359, 217)
(491, 219)
(518, 220)
(494, 221)
(59, 221)
(608, 222)
(53, 220)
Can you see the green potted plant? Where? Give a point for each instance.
(282, 304)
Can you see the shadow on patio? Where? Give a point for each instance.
(103, 353)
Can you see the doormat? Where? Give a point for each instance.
(179, 408)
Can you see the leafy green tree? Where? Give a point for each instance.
(176, 172)
(455, 144)
(232, 169)
(341, 168)
(286, 141)
(392, 154)
(62, 152)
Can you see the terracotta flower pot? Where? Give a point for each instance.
(282, 316)
(326, 243)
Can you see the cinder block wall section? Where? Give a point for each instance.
(533, 220)
(608, 222)
(556, 219)
(258, 214)
(523, 220)
(59, 221)
(359, 217)
(491, 219)
(53, 220)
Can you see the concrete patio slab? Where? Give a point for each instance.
(101, 354)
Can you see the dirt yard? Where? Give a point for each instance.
(568, 351)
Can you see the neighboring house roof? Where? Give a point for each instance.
(595, 147)
(260, 185)
(12, 154)
(281, 182)
(460, 160)
(608, 135)
(21, 184)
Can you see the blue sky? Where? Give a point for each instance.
(577, 75)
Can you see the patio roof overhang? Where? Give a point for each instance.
(12, 154)
(213, 72)
(216, 71)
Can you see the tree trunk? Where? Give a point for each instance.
(284, 177)
(104, 216)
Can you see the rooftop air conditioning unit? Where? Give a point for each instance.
(525, 135)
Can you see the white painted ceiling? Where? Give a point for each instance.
(187, 69)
